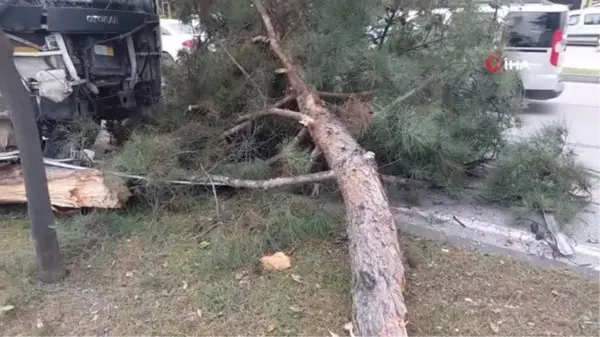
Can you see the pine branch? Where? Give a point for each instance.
(289, 147)
(298, 116)
(389, 21)
(287, 99)
(239, 66)
(248, 123)
(235, 129)
(220, 180)
(343, 95)
(272, 36)
(412, 92)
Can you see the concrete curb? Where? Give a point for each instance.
(580, 78)
(490, 238)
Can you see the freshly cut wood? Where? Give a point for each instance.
(86, 188)
(375, 257)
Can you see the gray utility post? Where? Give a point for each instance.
(49, 260)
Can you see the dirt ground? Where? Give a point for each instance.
(187, 272)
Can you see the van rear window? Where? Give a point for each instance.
(534, 29)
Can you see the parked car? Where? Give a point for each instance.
(584, 26)
(177, 37)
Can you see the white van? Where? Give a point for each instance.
(535, 45)
(535, 40)
(536, 37)
(584, 26)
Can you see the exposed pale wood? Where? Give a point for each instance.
(302, 118)
(375, 257)
(68, 188)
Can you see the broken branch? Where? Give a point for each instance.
(300, 117)
(343, 95)
(287, 99)
(412, 92)
(289, 147)
(235, 129)
(239, 66)
(219, 180)
(248, 123)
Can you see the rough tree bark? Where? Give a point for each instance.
(375, 257)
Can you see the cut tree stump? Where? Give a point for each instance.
(68, 188)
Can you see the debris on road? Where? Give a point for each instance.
(562, 245)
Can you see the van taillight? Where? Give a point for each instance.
(557, 46)
(189, 44)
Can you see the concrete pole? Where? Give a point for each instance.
(48, 256)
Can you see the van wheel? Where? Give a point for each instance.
(524, 102)
(521, 98)
(167, 60)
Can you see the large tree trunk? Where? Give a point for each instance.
(377, 270)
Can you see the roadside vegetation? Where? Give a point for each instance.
(134, 273)
(184, 260)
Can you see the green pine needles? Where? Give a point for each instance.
(437, 114)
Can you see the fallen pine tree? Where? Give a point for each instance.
(282, 71)
(376, 263)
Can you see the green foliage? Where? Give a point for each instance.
(453, 117)
(148, 155)
(541, 173)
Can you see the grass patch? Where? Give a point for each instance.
(191, 273)
(581, 72)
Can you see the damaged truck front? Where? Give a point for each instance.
(97, 59)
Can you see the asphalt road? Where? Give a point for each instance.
(488, 228)
(582, 57)
(579, 109)
(494, 229)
